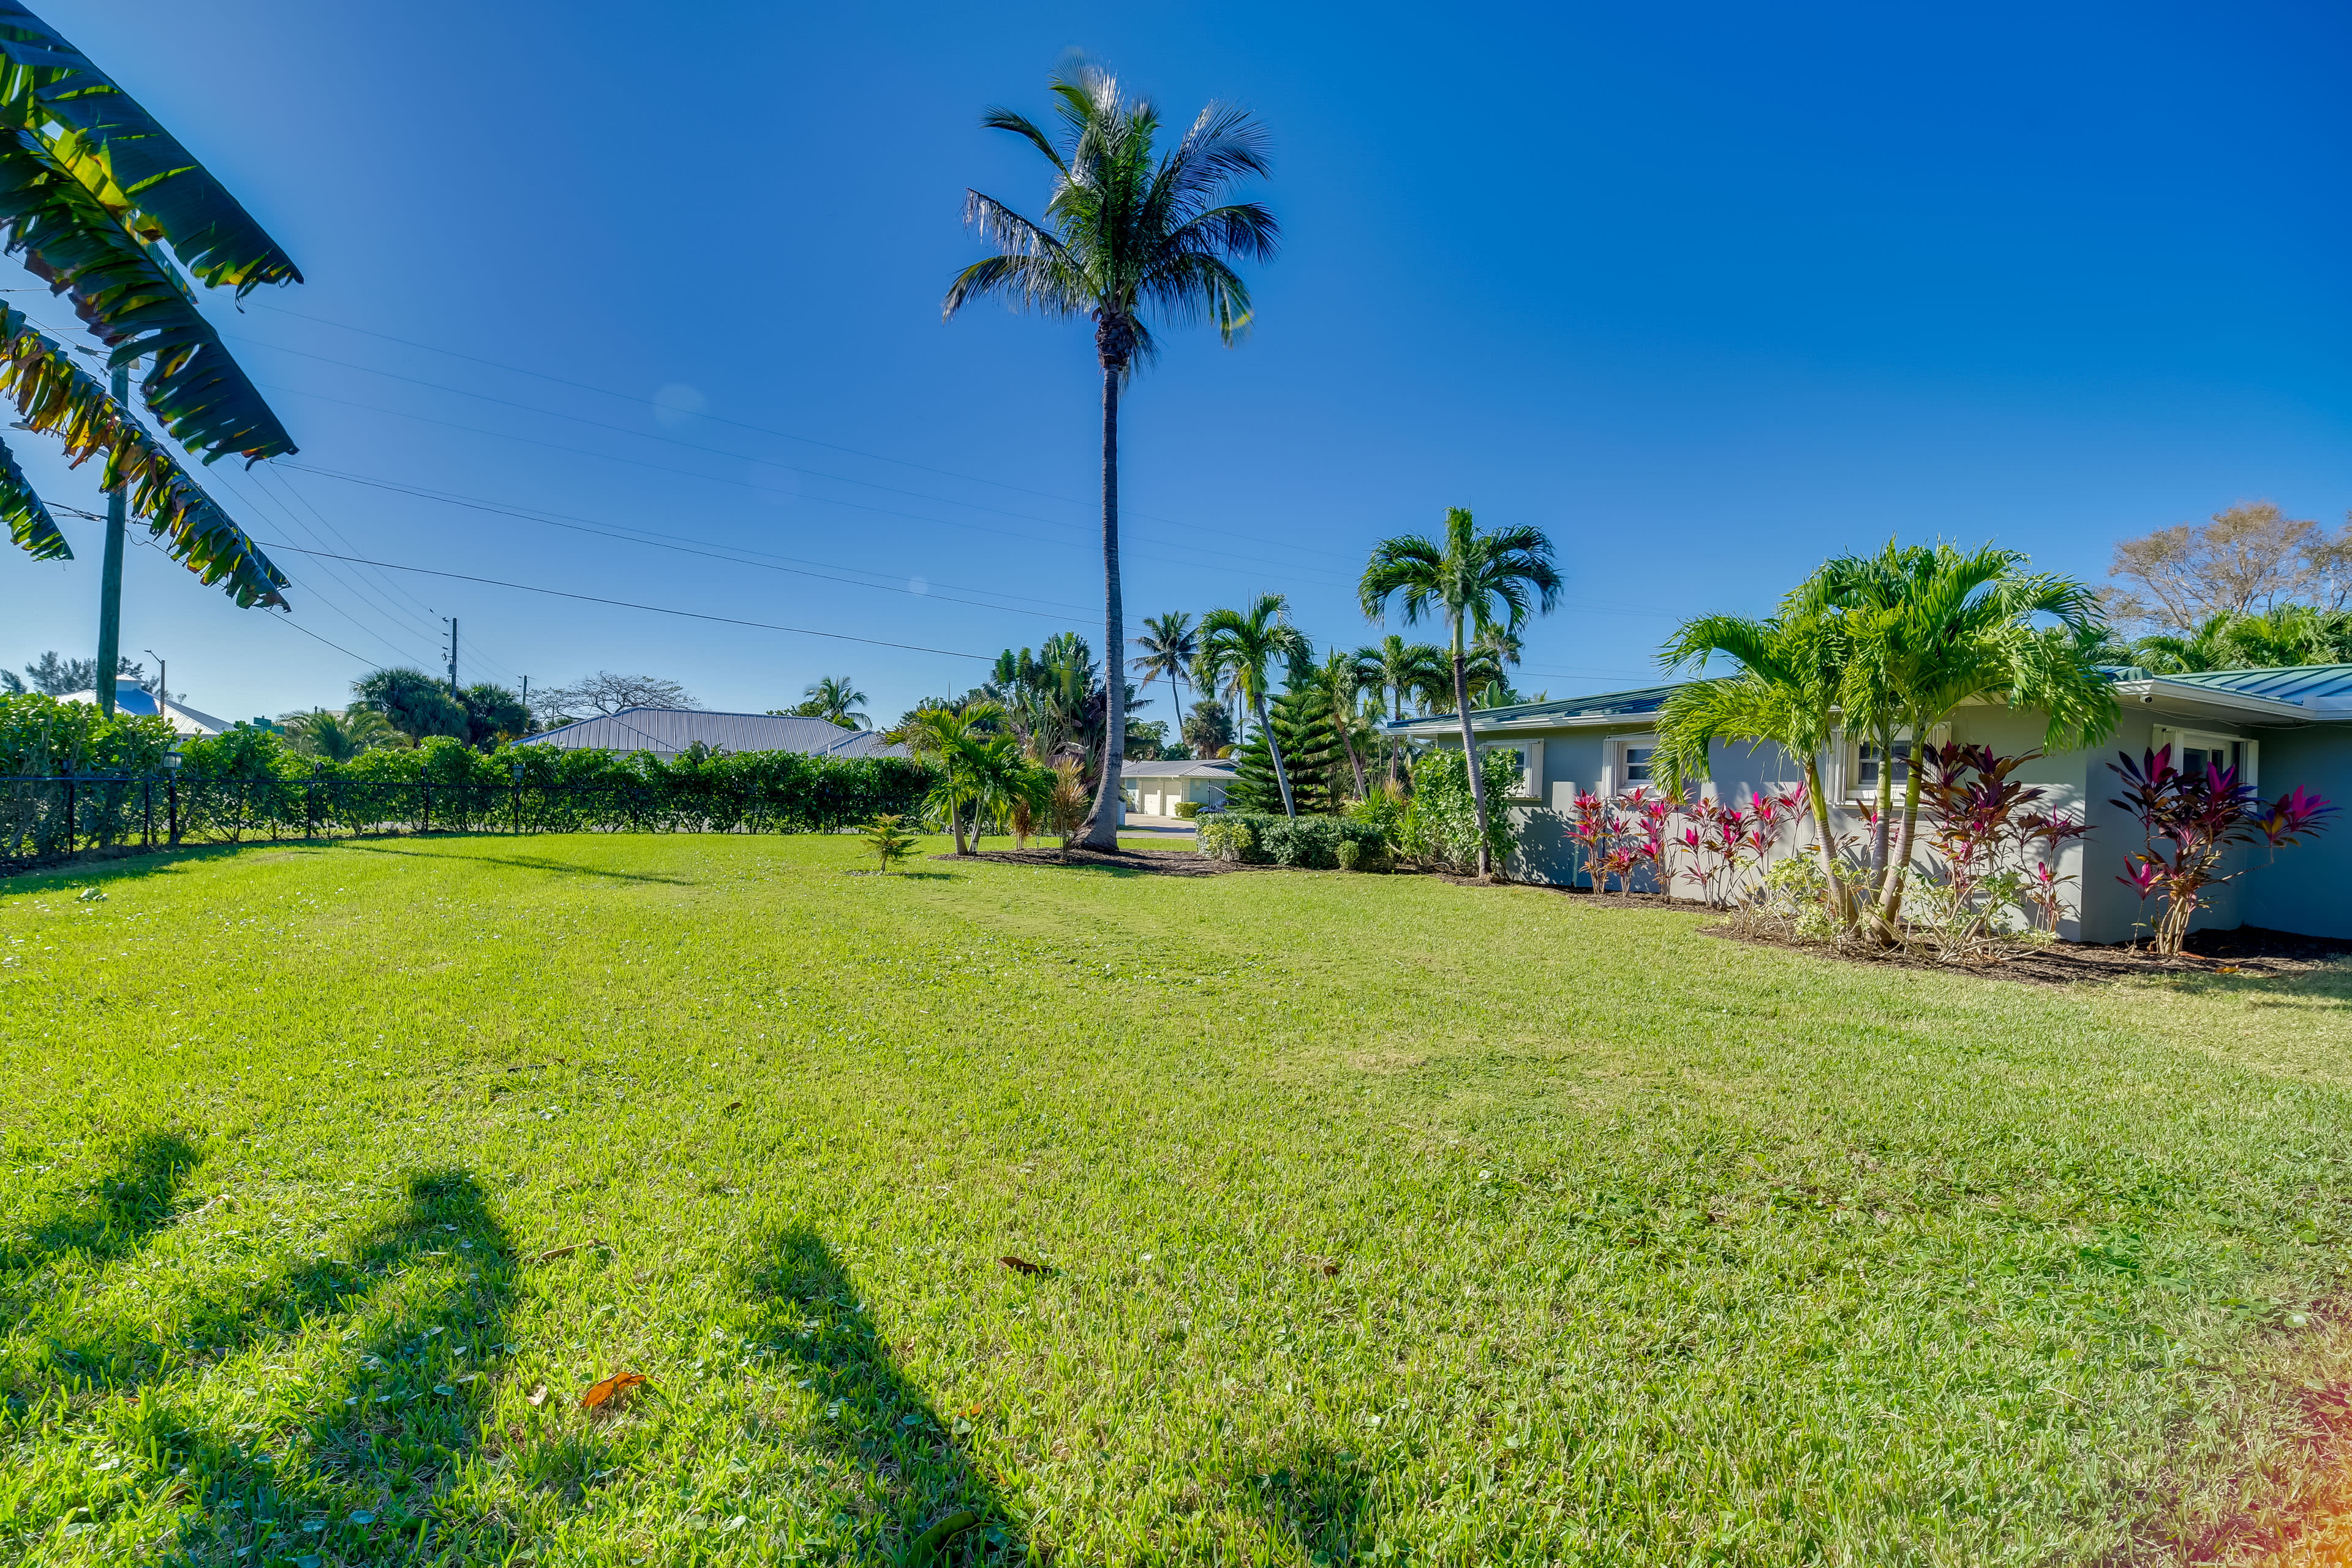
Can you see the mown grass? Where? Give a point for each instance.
(1385, 1220)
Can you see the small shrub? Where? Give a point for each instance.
(1187, 810)
(1264, 838)
(1222, 838)
(888, 836)
(1351, 855)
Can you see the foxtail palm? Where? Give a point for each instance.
(1481, 582)
(951, 740)
(1129, 233)
(1927, 628)
(1170, 644)
(1784, 691)
(1342, 684)
(1242, 647)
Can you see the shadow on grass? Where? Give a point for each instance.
(530, 863)
(101, 1221)
(1316, 1496)
(937, 1508)
(352, 1460)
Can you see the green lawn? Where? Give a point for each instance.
(1385, 1220)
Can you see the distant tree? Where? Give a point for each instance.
(493, 714)
(412, 702)
(603, 694)
(1478, 581)
(337, 737)
(1147, 740)
(1128, 232)
(834, 699)
(2247, 559)
(1208, 730)
(54, 675)
(1170, 645)
(2287, 635)
(11, 683)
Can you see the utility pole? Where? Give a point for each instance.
(110, 582)
(162, 684)
(526, 702)
(453, 653)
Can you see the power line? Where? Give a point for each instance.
(717, 419)
(551, 521)
(631, 605)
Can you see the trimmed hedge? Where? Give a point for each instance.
(1262, 839)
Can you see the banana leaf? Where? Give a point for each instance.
(58, 397)
(29, 522)
(117, 150)
(133, 300)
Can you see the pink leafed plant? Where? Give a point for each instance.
(2192, 821)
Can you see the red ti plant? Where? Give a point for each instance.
(2192, 820)
(2042, 836)
(1593, 828)
(1646, 836)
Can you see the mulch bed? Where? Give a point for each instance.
(1154, 862)
(2249, 952)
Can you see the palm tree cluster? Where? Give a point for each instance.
(2271, 639)
(1883, 649)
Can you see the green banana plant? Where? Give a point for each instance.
(107, 207)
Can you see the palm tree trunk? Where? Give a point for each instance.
(1102, 827)
(955, 825)
(1902, 869)
(1841, 906)
(1274, 750)
(1470, 751)
(1347, 722)
(1878, 857)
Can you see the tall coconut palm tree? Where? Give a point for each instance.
(1170, 645)
(1243, 646)
(106, 207)
(1927, 628)
(1481, 582)
(1129, 233)
(1784, 691)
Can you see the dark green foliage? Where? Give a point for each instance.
(493, 714)
(1311, 753)
(414, 703)
(1308, 841)
(1147, 740)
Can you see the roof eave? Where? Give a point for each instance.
(2205, 702)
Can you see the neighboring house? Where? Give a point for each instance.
(1157, 789)
(2281, 728)
(141, 703)
(667, 732)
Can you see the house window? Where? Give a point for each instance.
(2199, 753)
(1637, 763)
(1866, 760)
(1517, 768)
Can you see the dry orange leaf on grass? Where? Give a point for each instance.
(1022, 1265)
(611, 1392)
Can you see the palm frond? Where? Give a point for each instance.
(29, 522)
(133, 300)
(119, 152)
(999, 118)
(58, 397)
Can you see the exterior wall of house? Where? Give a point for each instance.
(2307, 888)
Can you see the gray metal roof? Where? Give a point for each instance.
(667, 732)
(1183, 767)
(1606, 706)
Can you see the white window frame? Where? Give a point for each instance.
(1526, 781)
(2246, 751)
(1615, 770)
(1850, 760)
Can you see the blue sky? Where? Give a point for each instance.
(1707, 292)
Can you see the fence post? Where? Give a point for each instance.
(69, 817)
(147, 814)
(426, 825)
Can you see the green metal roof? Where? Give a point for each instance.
(2318, 687)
